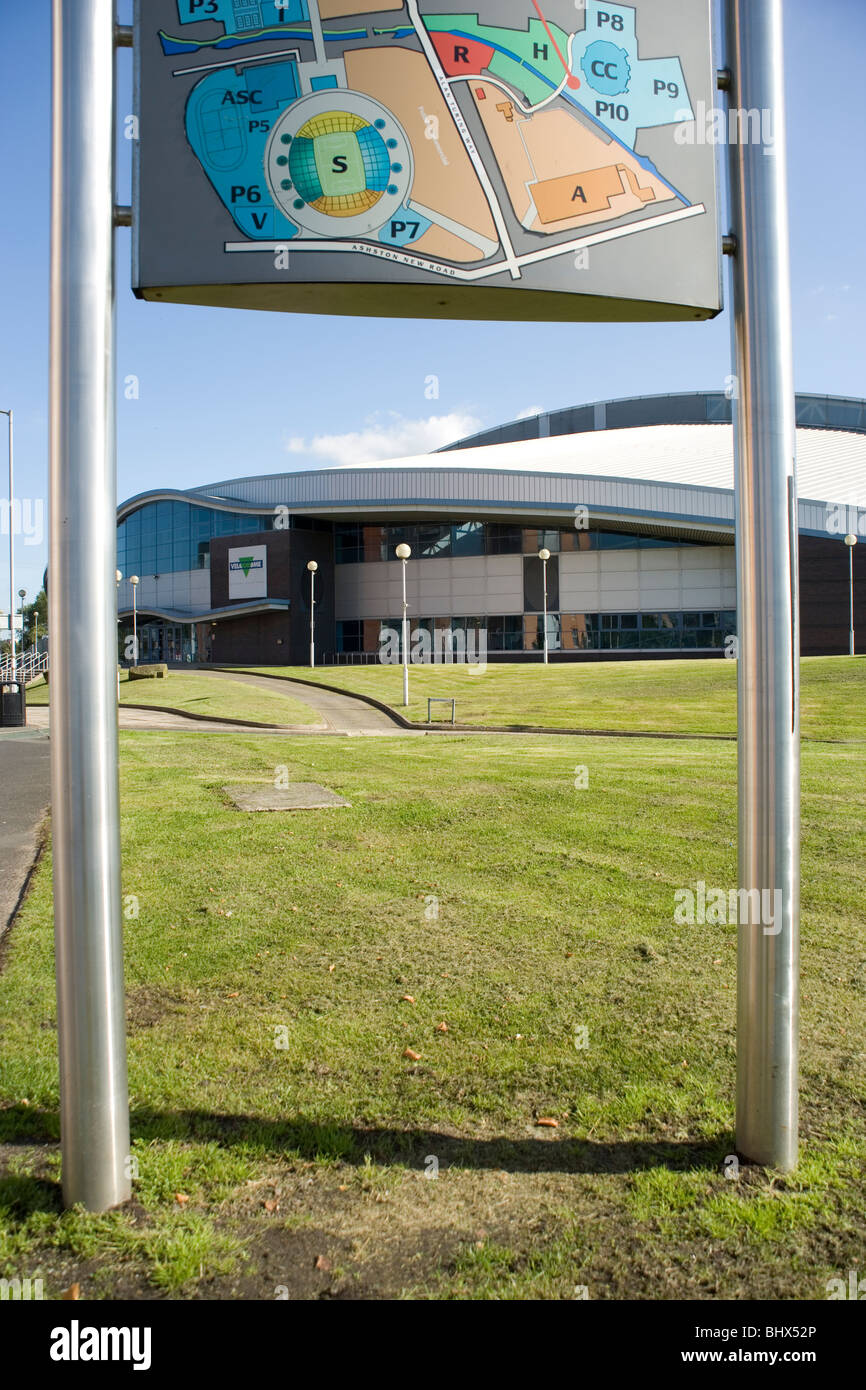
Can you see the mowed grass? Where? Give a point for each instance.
(693, 697)
(282, 970)
(200, 693)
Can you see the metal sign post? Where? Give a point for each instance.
(8, 413)
(766, 535)
(94, 1109)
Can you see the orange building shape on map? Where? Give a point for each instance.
(592, 191)
(559, 173)
(445, 183)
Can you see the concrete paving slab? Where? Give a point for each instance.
(296, 796)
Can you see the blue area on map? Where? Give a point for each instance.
(172, 46)
(321, 84)
(657, 93)
(404, 227)
(235, 38)
(242, 16)
(229, 119)
(377, 162)
(606, 68)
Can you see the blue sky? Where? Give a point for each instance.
(224, 392)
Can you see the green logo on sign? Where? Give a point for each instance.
(246, 564)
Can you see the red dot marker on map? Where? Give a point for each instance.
(571, 80)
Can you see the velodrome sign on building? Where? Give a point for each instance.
(511, 159)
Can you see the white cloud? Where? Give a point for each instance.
(530, 410)
(385, 435)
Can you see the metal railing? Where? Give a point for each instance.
(25, 669)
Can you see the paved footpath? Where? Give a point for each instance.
(25, 780)
(342, 715)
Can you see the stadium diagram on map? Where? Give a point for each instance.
(352, 124)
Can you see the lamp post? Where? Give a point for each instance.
(22, 594)
(403, 553)
(133, 579)
(312, 567)
(544, 556)
(8, 414)
(117, 580)
(850, 541)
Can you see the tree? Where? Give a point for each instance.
(36, 619)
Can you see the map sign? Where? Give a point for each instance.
(416, 158)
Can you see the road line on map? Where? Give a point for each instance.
(563, 248)
(439, 73)
(570, 78)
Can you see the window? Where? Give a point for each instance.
(433, 541)
(541, 538)
(503, 540)
(348, 545)
(505, 634)
(468, 538)
(349, 635)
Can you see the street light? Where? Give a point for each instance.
(8, 414)
(850, 541)
(544, 556)
(312, 567)
(117, 580)
(403, 553)
(133, 579)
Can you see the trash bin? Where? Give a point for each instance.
(13, 706)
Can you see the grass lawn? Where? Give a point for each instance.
(195, 693)
(695, 697)
(344, 1027)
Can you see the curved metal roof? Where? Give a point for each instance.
(677, 477)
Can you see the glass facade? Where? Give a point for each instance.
(565, 631)
(165, 537)
(357, 544)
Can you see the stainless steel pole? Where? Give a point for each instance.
(8, 413)
(94, 1110)
(766, 536)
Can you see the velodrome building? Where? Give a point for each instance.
(632, 498)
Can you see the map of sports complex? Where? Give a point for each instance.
(464, 143)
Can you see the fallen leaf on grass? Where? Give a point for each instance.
(408, 998)
(272, 1205)
(72, 1294)
(322, 1263)
(181, 1198)
(413, 1056)
(548, 1123)
(441, 1027)
(235, 995)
